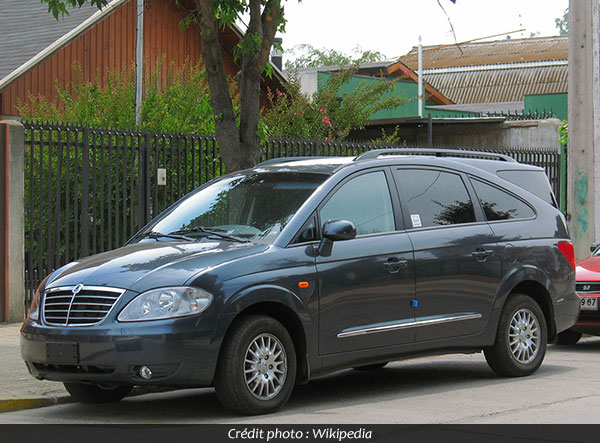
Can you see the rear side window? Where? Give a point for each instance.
(500, 205)
(535, 182)
(435, 198)
(365, 201)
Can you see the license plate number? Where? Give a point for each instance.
(589, 303)
(62, 353)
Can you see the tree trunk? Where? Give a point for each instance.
(239, 149)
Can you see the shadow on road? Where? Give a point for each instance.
(586, 345)
(408, 379)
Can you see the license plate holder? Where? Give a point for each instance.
(588, 303)
(62, 353)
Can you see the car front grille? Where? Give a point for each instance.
(585, 287)
(78, 305)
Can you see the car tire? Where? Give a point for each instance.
(90, 393)
(256, 371)
(568, 337)
(521, 338)
(372, 367)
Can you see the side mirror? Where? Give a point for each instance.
(593, 247)
(335, 230)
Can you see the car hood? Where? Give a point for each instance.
(150, 264)
(588, 269)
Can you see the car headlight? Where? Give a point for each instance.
(34, 310)
(162, 303)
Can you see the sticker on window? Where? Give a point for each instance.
(416, 220)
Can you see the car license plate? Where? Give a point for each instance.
(62, 353)
(589, 303)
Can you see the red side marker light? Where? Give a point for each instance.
(566, 248)
(303, 285)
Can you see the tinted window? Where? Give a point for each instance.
(435, 198)
(252, 205)
(365, 201)
(535, 182)
(498, 204)
(307, 233)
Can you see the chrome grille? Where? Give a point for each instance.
(585, 287)
(88, 306)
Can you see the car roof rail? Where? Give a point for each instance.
(274, 161)
(370, 155)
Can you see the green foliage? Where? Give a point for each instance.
(562, 24)
(329, 114)
(88, 103)
(58, 7)
(307, 56)
(181, 105)
(563, 132)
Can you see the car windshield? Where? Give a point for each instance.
(253, 206)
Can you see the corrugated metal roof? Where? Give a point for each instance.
(499, 85)
(27, 28)
(484, 108)
(488, 53)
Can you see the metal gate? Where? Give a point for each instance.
(89, 190)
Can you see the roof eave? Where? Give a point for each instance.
(62, 41)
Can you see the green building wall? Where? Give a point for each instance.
(403, 88)
(557, 103)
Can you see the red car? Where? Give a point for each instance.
(588, 289)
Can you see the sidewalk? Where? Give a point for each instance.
(18, 389)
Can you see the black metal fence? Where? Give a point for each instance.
(89, 190)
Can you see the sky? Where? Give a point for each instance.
(392, 27)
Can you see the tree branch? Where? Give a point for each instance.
(271, 18)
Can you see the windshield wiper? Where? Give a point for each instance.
(210, 232)
(156, 235)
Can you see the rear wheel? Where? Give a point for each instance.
(256, 371)
(521, 338)
(89, 393)
(568, 337)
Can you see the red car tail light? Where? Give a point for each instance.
(566, 248)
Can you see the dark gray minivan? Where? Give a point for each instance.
(267, 277)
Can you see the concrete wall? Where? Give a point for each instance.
(12, 273)
(583, 187)
(528, 133)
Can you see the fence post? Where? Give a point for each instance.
(12, 209)
(146, 180)
(563, 179)
(85, 194)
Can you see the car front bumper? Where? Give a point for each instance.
(179, 352)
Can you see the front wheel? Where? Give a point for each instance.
(256, 371)
(521, 338)
(89, 393)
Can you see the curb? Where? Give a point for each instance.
(18, 403)
(10, 404)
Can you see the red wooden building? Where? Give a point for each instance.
(96, 40)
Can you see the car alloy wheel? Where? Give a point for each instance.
(521, 338)
(524, 336)
(265, 366)
(256, 371)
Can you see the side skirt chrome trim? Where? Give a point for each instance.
(426, 321)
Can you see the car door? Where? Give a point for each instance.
(366, 284)
(457, 262)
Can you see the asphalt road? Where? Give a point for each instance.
(446, 389)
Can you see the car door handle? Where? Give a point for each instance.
(393, 265)
(482, 255)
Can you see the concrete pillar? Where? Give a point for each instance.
(12, 189)
(583, 187)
